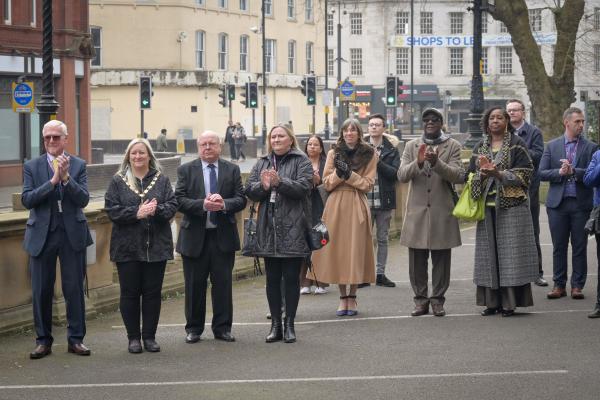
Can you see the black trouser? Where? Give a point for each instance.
(289, 269)
(218, 266)
(141, 279)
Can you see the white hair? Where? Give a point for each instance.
(56, 124)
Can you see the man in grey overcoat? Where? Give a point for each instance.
(431, 165)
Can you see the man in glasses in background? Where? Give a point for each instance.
(532, 136)
(55, 190)
(382, 199)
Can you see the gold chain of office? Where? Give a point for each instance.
(148, 188)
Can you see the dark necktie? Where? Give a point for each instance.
(212, 216)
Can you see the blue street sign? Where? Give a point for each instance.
(22, 96)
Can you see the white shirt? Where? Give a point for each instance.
(206, 175)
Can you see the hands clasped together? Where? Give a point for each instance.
(488, 168)
(147, 208)
(566, 169)
(214, 202)
(342, 169)
(61, 172)
(269, 179)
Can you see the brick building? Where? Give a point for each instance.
(21, 23)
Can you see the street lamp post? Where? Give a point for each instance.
(477, 105)
(340, 118)
(326, 70)
(47, 106)
(264, 77)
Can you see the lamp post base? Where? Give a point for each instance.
(475, 131)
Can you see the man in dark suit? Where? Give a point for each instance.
(532, 136)
(569, 201)
(209, 191)
(55, 190)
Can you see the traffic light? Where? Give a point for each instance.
(303, 86)
(252, 95)
(391, 91)
(231, 92)
(400, 89)
(311, 90)
(223, 96)
(244, 95)
(145, 92)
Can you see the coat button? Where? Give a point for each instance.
(428, 190)
(428, 205)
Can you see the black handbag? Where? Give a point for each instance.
(318, 236)
(250, 238)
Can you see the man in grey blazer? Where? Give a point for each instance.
(55, 190)
(209, 192)
(569, 202)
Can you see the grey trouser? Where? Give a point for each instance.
(382, 219)
(440, 274)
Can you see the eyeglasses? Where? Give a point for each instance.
(55, 138)
(431, 120)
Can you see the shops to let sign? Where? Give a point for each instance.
(22, 97)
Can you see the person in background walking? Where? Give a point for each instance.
(161, 141)
(229, 140)
(140, 203)
(239, 138)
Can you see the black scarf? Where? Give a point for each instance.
(358, 157)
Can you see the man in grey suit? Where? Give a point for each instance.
(55, 190)
(209, 192)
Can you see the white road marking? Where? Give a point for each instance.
(292, 380)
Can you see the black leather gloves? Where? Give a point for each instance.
(342, 169)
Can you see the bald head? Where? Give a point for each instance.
(209, 146)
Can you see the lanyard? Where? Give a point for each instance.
(573, 153)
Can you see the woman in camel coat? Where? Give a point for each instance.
(348, 259)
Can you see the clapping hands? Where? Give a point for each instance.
(147, 208)
(269, 178)
(488, 168)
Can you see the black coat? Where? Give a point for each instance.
(134, 239)
(190, 193)
(387, 172)
(283, 225)
(316, 202)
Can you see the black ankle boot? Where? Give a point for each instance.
(289, 334)
(276, 333)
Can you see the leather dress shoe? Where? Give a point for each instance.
(135, 346)
(79, 349)
(420, 310)
(225, 336)
(540, 281)
(383, 280)
(557, 293)
(151, 345)
(489, 311)
(438, 310)
(508, 313)
(595, 313)
(577, 294)
(192, 337)
(40, 351)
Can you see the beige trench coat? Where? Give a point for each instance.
(428, 220)
(348, 258)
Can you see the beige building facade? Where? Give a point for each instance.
(191, 48)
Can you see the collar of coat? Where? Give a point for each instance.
(361, 157)
(292, 152)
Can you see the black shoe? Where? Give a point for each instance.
(540, 281)
(595, 313)
(135, 346)
(40, 351)
(192, 337)
(508, 313)
(225, 336)
(151, 345)
(289, 334)
(276, 333)
(79, 349)
(489, 311)
(363, 285)
(383, 280)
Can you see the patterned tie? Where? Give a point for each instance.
(212, 216)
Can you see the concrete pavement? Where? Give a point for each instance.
(549, 351)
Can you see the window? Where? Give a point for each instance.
(308, 10)
(356, 23)
(426, 22)
(222, 53)
(244, 40)
(309, 58)
(329, 24)
(243, 5)
(7, 11)
(222, 3)
(291, 9)
(199, 2)
(456, 23)
(505, 58)
(292, 57)
(402, 22)
(269, 8)
(597, 58)
(33, 19)
(356, 62)
(200, 35)
(503, 28)
(426, 60)
(330, 62)
(96, 33)
(456, 61)
(270, 55)
(402, 60)
(484, 22)
(535, 19)
(597, 18)
(484, 61)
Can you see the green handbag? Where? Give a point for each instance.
(467, 208)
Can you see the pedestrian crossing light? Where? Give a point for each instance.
(303, 87)
(231, 92)
(223, 96)
(311, 90)
(400, 89)
(253, 95)
(391, 91)
(244, 95)
(145, 92)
